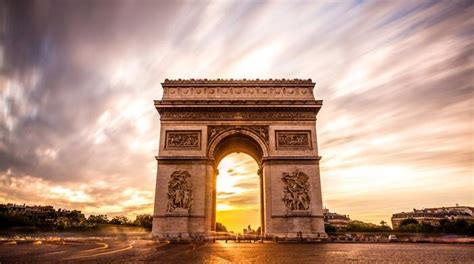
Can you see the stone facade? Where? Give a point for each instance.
(202, 121)
(434, 216)
(339, 221)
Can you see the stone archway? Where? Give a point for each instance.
(230, 139)
(273, 121)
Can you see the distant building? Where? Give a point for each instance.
(339, 221)
(248, 230)
(433, 216)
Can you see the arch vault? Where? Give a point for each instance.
(273, 121)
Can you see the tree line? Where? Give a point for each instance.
(459, 226)
(410, 225)
(46, 217)
(359, 226)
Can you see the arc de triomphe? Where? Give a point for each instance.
(273, 121)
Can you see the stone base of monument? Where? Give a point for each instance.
(298, 225)
(177, 222)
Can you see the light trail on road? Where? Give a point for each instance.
(105, 246)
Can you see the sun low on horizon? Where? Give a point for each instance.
(238, 193)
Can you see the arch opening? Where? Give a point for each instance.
(252, 150)
(238, 204)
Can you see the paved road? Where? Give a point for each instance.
(139, 250)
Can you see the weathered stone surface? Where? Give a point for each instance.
(274, 121)
(180, 193)
(293, 139)
(238, 89)
(296, 191)
(183, 139)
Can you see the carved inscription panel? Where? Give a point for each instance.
(185, 139)
(293, 139)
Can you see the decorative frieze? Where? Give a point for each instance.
(253, 89)
(235, 92)
(185, 139)
(260, 131)
(293, 139)
(180, 192)
(296, 191)
(234, 115)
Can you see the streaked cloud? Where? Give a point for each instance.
(78, 79)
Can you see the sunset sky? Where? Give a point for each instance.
(78, 128)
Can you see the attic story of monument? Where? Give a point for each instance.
(273, 121)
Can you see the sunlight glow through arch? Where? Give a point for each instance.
(238, 192)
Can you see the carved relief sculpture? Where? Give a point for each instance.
(262, 132)
(183, 139)
(180, 193)
(296, 191)
(213, 131)
(293, 139)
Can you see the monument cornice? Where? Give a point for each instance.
(237, 102)
(238, 108)
(181, 157)
(289, 215)
(238, 82)
(270, 158)
(249, 105)
(239, 113)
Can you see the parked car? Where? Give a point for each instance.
(392, 238)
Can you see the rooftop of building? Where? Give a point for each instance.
(327, 213)
(435, 212)
(444, 208)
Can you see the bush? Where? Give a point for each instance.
(98, 219)
(120, 220)
(15, 220)
(359, 226)
(330, 228)
(459, 226)
(408, 221)
(144, 220)
(220, 227)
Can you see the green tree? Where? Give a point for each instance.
(330, 228)
(426, 228)
(98, 219)
(144, 220)
(220, 227)
(120, 220)
(7, 220)
(408, 221)
(359, 226)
